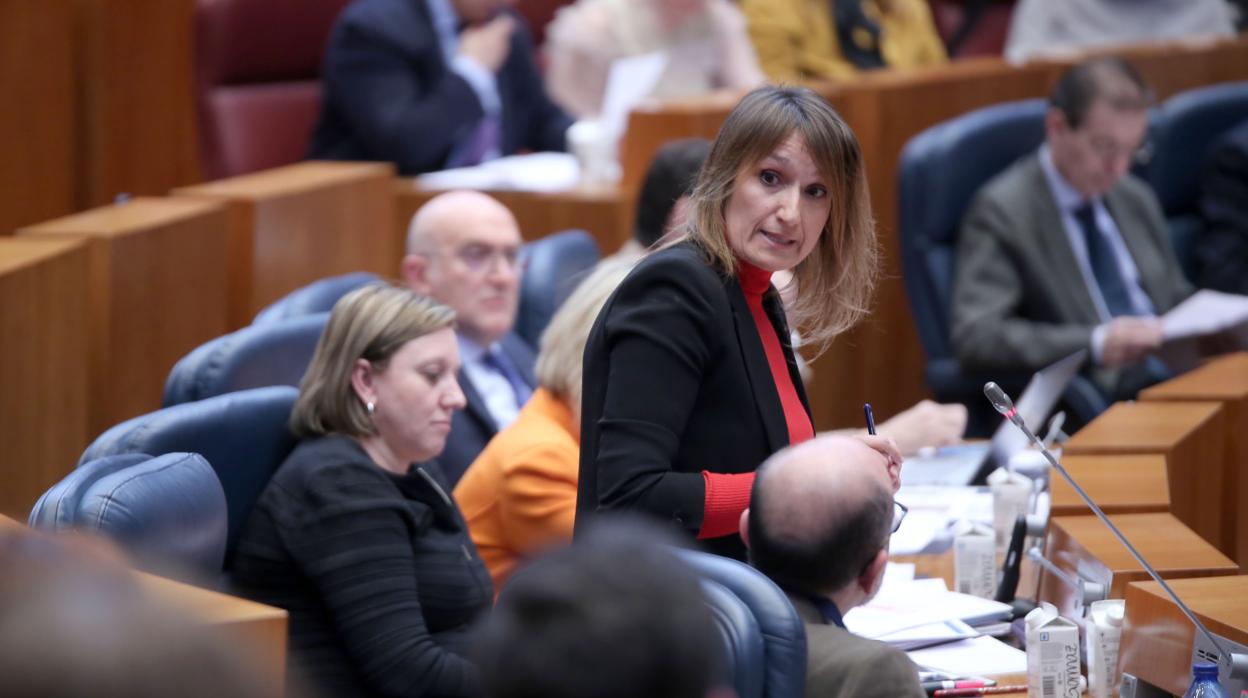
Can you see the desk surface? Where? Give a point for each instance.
(1223, 378)
(290, 179)
(1119, 484)
(1142, 427)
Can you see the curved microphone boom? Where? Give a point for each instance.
(1237, 664)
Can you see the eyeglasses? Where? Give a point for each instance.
(481, 258)
(899, 515)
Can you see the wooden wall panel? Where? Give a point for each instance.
(292, 225)
(137, 75)
(157, 280)
(43, 366)
(37, 127)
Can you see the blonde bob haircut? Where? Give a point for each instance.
(371, 323)
(837, 278)
(561, 351)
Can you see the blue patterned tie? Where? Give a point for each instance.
(503, 367)
(1104, 264)
(485, 139)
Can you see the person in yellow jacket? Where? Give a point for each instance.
(805, 40)
(519, 495)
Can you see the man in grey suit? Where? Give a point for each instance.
(820, 517)
(462, 250)
(1065, 250)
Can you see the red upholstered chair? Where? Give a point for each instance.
(973, 27)
(258, 64)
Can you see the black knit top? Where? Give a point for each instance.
(377, 571)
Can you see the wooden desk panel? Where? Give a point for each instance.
(1121, 484)
(37, 123)
(157, 284)
(43, 366)
(1084, 543)
(292, 225)
(604, 212)
(652, 125)
(1157, 638)
(1171, 67)
(1223, 380)
(138, 131)
(1190, 435)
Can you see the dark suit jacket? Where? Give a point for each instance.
(389, 95)
(840, 664)
(473, 427)
(676, 382)
(1222, 252)
(1019, 300)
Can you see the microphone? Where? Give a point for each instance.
(1236, 664)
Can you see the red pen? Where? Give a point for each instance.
(985, 691)
(931, 687)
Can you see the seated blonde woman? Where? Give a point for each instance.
(519, 495)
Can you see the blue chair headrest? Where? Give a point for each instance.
(317, 297)
(168, 511)
(744, 649)
(255, 356)
(1184, 133)
(243, 435)
(57, 508)
(554, 265)
(784, 636)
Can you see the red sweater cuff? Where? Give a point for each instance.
(727, 495)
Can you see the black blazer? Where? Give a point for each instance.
(389, 95)
(676, 382)
(473, 427)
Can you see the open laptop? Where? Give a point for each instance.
(959, 465)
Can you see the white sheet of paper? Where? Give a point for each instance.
(540, 172)
(979, 656)
(629, 81)
(921, 602)
(1205, 312)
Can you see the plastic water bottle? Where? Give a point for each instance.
(1205, 682)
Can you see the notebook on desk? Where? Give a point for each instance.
(959, 465)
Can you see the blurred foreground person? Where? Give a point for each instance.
(615, 615)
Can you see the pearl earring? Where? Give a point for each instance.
(369, 406)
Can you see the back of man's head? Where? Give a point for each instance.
(615, 615)
(1111, 79)
(820, 513)
(671, 175)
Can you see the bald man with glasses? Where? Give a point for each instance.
(463, 250)
(819, 521)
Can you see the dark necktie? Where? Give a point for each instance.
(502, 366)
(1104, 264)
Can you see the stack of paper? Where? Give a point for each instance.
(923, 611)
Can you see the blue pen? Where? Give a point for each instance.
(866, 410)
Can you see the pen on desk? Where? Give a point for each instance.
(866, 410)
(931, 687)
(985, 691)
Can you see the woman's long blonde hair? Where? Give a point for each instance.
(836, 280)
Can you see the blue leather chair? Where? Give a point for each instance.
(941, 170)
(243, 435)
(743, 647)
(782, 673)
(169, 512)
(553, 266)
(57, 509)
(316, 297)
(1184, 130)
(256, 356)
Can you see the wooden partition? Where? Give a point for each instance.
(1119, 484)
(292, 225)
(43, 366)
(1190, 435)
(1224, 380)
(1083, 546)
(37, 127)
(604, 212)
(156, 284)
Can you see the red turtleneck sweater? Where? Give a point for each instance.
(727, 495)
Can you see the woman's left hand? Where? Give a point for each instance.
(887, 448)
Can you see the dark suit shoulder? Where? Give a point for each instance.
(1021, 181)
(840, 663)
(329, 467)
(684, 265)
(672, 290)
(400, 22)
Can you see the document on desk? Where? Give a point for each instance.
(1204, 312)
(978, 656)
(908, 606)
(537, 172)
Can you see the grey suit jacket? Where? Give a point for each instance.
(473, 427)
(1019, 299)
(841, 664)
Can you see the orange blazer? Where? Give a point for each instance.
(519, 495)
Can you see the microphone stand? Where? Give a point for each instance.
(1237, 664)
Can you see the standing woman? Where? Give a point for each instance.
(689, 379)
(356, 535)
